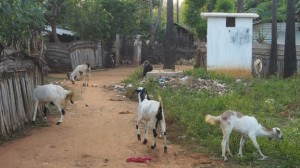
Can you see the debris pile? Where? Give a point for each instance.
(182, 61)
(194, 83)
(190, 82)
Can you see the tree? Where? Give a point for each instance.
(224, 6)
(19, 19)
(156, 23)
(290, 60)
(273, 57)
(169, 61)
(191, 16)
(240, 6)
(53, 15)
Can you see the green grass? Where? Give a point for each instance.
(263, 98)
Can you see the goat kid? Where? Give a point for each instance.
(247, 126)
(150, 111)
(53, 94)
(257, 67)
(81, 71)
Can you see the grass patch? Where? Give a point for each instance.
(274, 102)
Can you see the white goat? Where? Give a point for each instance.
(257, 67)
(81, 71)
(248, 126)
(150, 110)
(53, 94)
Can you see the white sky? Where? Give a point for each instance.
(180, 1)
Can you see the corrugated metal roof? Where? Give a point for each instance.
(58, 31)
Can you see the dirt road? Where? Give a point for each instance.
(94, 134)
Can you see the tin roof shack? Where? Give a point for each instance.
(229, 42)
(19, 74)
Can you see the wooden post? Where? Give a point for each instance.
(137, 50)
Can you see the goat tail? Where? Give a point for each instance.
(160, 101)
(213, 120)
(70, 96)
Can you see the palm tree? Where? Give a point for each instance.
(290, 60)
(240, 6)
(273, 57)
(169, 61)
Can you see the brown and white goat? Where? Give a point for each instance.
(247, 126)
(81, 71)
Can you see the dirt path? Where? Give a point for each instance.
(94, 134)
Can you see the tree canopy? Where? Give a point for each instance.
(19, 19)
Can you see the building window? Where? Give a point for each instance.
(230, 21)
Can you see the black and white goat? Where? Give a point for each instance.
(247, 126)
(150, 111)
(147, 68)
(81, 71)
(53, 94)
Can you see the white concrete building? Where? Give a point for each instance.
(229, 41)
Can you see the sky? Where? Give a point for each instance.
(180, 1)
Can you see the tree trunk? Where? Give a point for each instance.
(54, 34)
(56, 7)
(290, 60)
(210, 5)
(157, 22)
(273, 57)
(240, 6)
(169, 61)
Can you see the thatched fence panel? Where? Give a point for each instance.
(19, 75)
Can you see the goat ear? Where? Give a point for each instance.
(277, 130)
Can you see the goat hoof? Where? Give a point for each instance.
(153, 146)
(58, 123)
(33, 122)
(264, 158)
(165, 149)
(240, 155)
(145, 141)
(139, 137)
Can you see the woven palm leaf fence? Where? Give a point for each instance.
(19, 74)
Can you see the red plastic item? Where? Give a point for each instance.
(139, 159)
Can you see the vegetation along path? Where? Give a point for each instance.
(97, 132)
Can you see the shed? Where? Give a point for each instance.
(229, 42)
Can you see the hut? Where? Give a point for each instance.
(19, 75)
(229, 42)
